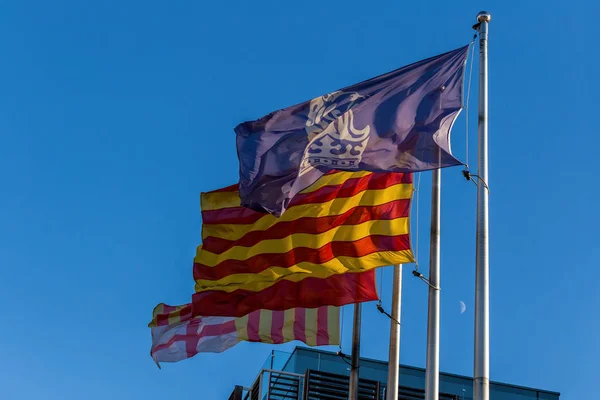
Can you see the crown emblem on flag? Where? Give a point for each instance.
(334, 140)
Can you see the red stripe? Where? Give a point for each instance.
(253, 325)
(277, 326)
(163, 318)
(337, 290)
(192, 336)
(349, 188)
(168, 309)
(261, 262)
(233, 215)
(190, 331)
(219, 329)
(322, 326)
(191, 340)
(310, 225)
(230, 188)
(300, 324)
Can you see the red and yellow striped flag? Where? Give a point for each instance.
(176, 335)
(344, 223)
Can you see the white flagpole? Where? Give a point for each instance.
(394, 358)
(481, 367)
(353, 392)
(432, 368)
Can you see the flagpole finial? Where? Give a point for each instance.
(484, 16)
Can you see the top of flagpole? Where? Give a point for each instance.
(484, 16)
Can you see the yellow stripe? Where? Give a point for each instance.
(159, 309)
(175, 317)
(339, 265)
(347, 233)
(218, 200)
(333, 180)
(333, 324)
(241, 326)
(287, 331)
(264, 326)
(330, 208)
(311, 326)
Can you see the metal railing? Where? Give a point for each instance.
(324, 385)
(275, 385)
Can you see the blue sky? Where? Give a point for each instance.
(114, 116)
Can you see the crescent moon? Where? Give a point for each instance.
(463, 307)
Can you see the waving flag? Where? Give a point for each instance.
(344, 224)
(177, 335)
(399, 121)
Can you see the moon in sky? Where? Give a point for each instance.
(463, 307)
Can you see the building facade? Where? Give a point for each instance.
(310, 374)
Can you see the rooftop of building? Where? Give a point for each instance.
(305, 360)
(370, 362)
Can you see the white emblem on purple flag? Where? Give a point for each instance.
(333, 140)
(396, 122)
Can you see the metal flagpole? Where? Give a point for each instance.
(432, 367)
(353, 393)
(394, 358)
(481, 368)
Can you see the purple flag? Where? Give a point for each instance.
(399, 122)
